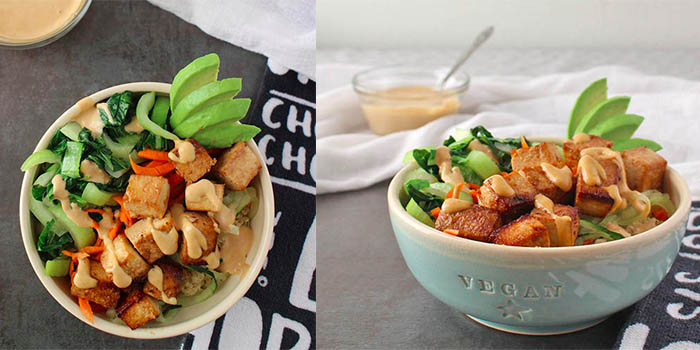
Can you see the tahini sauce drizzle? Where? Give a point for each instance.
(560, 177)
(133, 125)
(155, 277)
(476, 145)
(166, 241)
(234, 251)
(196, 242)
(453, 205)
(581, 138)
(185, 152)
(592, 172)
(110, 263)
(89, 117)
(93, 172)
(82, 278)
(72, 210)
(448, 173)
(501, 186)
(562, 223)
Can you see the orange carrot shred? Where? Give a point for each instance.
(95, 210)
(92, 249)
(154, 155)
(475, 198)
(452, 232)
(70, 269)
(503, 173)
(523, 143)
(85, 309)
(473, 186)
(587, 242)
(114, 230)
(455, 190)
(152, 171)
(659, 213)
(435, 212)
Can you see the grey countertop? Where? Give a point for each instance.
(367, 297)
(116, 42)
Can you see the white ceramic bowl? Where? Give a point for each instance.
(187, 318)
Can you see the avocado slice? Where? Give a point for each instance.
(220, 112)
(617, 127)
(225, 134)
(159, 113)
(203, 97)
(197, 73)
(622, 145)
(590, 97)
(604, 110)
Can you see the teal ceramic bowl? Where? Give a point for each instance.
(539, 291)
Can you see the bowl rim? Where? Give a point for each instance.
(397, 211)
(363, 90)
(166, 330)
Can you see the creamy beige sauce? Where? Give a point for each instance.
(82, 278)
(592, 172)
(614, 193)
(203, 194)
(89, 117)
(448, 173)
(407, 107)
(560, 177)
(213, 259)
(185, 152)
(476, 145)
(110, 263)
(33, 20)
(93, 172)
(155, 277)
(165, 240)
(501, 186)
(133, 125)
(234, 251)
(453, 205)
(196, 242)
(581, 138)
(562, 222)
(72, 210)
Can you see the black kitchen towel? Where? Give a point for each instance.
(279, 311)
(669, 317)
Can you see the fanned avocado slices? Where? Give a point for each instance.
(617, 127)
(205, 96)
(622, 145)
(225, 134)
(197, 73)
(589, 98)
(228, 110)
(159, 113)
(604, 110)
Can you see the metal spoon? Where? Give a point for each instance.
(480, 39)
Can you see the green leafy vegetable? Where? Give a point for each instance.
(70, 166)
(57, 267)
(118, 105)
(589, 228)
(58, 143)
(499, 147)
(40, 157)
(426, 200)
(50, 244)
(98, 153)
(142, 108)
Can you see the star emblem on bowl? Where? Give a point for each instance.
(512, 309)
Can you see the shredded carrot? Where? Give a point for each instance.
(92, 249)
(659, 213)
(95, 210)
(75, 255)
(454, 191)
(114, 230)
(503, 173)
(159, 170)
(123, 213)
(71, 267)
(154, 163)
(154, 155)
(474, 195)
(523, 143)
(473, 186)
(435, 212)
(450, 231)
(85, 309)
(95, 225)
(590, 241)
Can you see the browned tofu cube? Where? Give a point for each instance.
(137, 309)
(645, 169)
(207, 227)
(595, 200)
(194, 170)
(204, 203)
(572, 150)
(568, 233)
(538, 178)
(140, 235)
(128, 258)
(508, 207)
(475, 223)
(525, 232)
(147, 196)
(545, 152)
(172, 274)
(105, 294)
(237, 166)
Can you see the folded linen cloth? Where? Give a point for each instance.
(351, 157)
(284, 33)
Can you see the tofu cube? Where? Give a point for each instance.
(194, 170)
(509, 207)
(137, 309)
(567, 236)
(572, 150)
(475, 223)
(538, 179)
(172, 275)
(207, 227)
(105, 294)
(140, 235)
(128, 258)
(147, 196)
(203, 203)
(526, 231)
(594, 200)
(237, 167)
(536, 155)
(645, 169)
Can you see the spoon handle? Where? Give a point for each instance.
(480, 39)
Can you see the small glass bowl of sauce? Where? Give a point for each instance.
(396, 98)
(27, 24)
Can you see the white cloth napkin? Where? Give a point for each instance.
(350, 156)
(284, 32)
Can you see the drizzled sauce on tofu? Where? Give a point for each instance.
(581, 138)
(82, 278)
(195, 240)
(592, 172)
(234, 251)
(501, 186)
(205, 190)
(185, 152)
(560, 177)
(165, 240)
(93, 172)
(89, 117)
(448, 173)
(476, 145)
(453, 205)
(213, 259)
(155, 277)
(110, 263)
(562, 223)
(72, 210)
